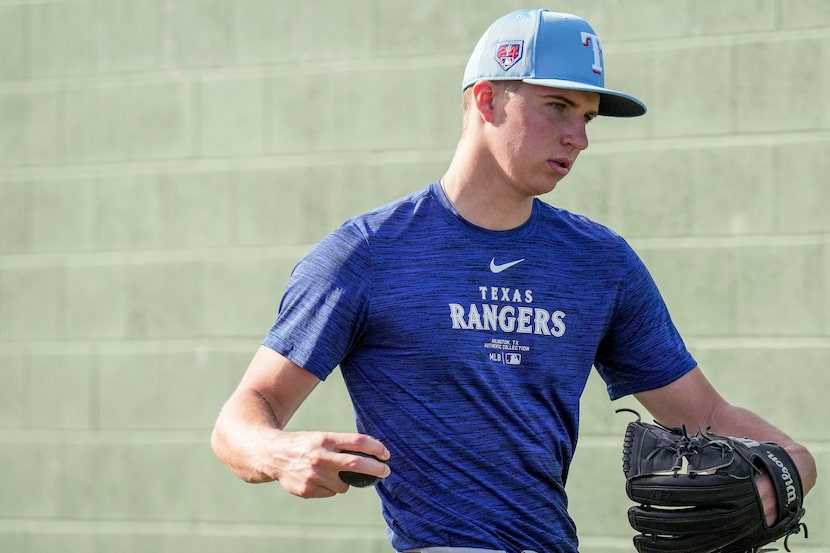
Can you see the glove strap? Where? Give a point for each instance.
(775, 460)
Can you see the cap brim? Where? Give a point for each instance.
(611, 102)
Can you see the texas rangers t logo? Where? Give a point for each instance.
(591, 40)
(509, 52)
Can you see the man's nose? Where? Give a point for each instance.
(576, 134)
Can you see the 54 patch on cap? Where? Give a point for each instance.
(509, 52)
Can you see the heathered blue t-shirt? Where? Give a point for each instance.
(466, 351)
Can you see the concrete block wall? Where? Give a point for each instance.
(164, 163)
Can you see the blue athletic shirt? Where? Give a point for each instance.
(466, 351)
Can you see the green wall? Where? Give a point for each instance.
(163, 164)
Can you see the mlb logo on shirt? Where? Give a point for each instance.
(512, 358)
(509, 52)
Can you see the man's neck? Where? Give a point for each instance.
(480, 192)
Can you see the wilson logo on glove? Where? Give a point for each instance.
(786, 477)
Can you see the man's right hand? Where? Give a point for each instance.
(249, 435)
(308, 464)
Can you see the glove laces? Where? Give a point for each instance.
(687, 446)
(796, 530)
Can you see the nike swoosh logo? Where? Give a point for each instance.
(504, 266)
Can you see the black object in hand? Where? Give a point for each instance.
(359, 479)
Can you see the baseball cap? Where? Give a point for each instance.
(540, 47)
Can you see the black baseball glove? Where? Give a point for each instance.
(697, 494)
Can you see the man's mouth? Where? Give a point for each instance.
(560, 162)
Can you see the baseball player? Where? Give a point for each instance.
(466, 318)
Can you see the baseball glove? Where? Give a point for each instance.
(697, 494)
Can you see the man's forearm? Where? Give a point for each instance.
(239, 434)
(730, 420)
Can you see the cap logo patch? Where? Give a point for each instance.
(592, 41)
(509, 52)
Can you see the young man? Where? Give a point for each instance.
(466, 319)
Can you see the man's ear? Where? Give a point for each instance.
(484, 93)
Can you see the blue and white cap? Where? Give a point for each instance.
(545, 48)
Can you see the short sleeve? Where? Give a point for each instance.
(642, 348)
(323, 311)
